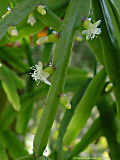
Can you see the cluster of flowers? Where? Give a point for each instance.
(12, 30)
(31, 19)
(91, 29)
(39, 74)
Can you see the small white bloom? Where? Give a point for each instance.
(31, 20)
(91, 29)
(41, 9)
(9, 9)
(39, 74)
(13, 31)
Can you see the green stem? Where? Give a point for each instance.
(3, 154)
(26, 110)
(110, 51)
(28, 52)
(47, 53)
(61, 61)
(84, 107)
(30, 157)
(91, 135)
(109, 127)
(111, 61)
(68, 115)
(7, 116)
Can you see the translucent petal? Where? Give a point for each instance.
(31, 20)
(45, 74)
(40, 65)
(97, 23)
(47, 82)
(98, 30)
(84, 32)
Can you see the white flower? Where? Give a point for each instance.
(13, 31)
(39, 74)
(41, 9)
(9, 9)
(31, 20)
(91, 29)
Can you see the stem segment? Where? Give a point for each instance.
(61, 60)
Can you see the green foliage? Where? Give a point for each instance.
(12, 143)
(10, 88)
(3, 154)
(33, 123)
(84, 108)
(61, 63)
(93, 133)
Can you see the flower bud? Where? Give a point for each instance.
(65, 101)
(108, 87)
(41, 9)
